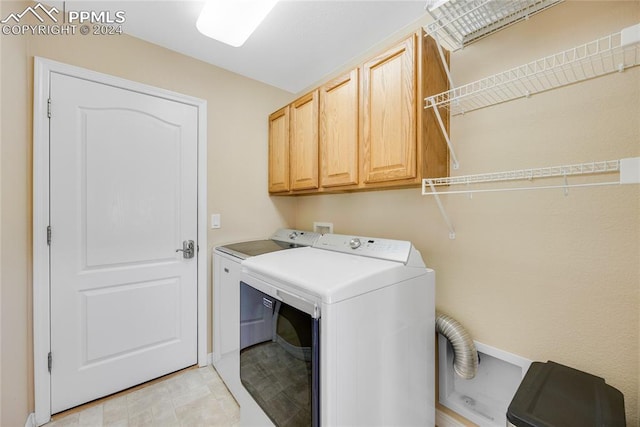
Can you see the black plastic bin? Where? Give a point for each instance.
(554, 395)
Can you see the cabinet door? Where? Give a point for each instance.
(304, 142)
(339, 131)
(389, 117)
(279, 151)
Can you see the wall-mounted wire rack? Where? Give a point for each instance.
(628, 171)
(613, 53)
(458, 23)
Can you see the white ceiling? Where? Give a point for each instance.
(299, 43)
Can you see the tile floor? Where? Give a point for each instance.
(193, 397)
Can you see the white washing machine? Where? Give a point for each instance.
(226, 304)
(347, 336)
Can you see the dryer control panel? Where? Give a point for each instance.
(374, 247)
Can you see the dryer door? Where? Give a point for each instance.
(280, 357)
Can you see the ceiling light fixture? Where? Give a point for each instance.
(232, 21)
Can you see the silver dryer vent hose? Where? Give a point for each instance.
(465, 355)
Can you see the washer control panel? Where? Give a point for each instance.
(392, 250)
(295, 237)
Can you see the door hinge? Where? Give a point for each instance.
(49, 361)
(49, 108)
(48, 235)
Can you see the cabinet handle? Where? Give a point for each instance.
(226, 270)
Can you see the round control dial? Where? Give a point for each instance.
(355, 243)
(293, 235)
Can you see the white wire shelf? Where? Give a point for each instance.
(628, 171)
(613, 53)
(592, 168)
(458, 23)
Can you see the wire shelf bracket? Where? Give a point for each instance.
(628, 170)
(614, 53)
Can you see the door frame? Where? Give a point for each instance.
(43, 68)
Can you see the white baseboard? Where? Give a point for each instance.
(445, 420)
(31, 420)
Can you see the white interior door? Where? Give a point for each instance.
(123, 186)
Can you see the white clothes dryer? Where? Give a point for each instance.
(348, 338)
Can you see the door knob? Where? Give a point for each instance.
(188, 249)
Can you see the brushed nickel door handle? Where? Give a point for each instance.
(187, 250)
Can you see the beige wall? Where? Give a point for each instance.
(237, 167)
(15, 184)
(534, 273)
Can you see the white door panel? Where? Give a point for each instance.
(131, 206)
(123, 199)
(108, 336)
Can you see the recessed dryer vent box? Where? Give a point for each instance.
(485, 398)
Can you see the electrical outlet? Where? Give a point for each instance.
(323, 227)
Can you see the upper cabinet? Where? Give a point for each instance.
(279, 151)
(388, 147)
(303, 139)
(339, 131)
(366, 129)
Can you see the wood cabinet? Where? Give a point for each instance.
(339, 131)
(279, 151)
(303, 138)
(368, 128)
(388, 146)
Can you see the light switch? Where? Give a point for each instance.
(215, 220)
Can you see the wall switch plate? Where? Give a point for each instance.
(323, 227)
(215, 220)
